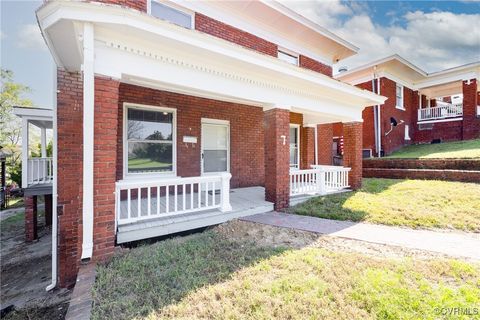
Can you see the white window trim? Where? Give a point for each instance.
(173, 6)
(298, 146)
(407, 134)
(143, 175)
(291, 53)
(402, 106)
(218, 122)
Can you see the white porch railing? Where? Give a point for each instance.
(142, 200)
(441, 111)
(39, 171)
(318, 180)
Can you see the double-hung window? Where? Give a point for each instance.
(399, 97)
(150, 140)
(172, 14)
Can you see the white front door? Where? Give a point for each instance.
(215, 146)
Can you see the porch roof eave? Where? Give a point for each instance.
(144, 35)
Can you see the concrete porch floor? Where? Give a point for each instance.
(244, 202)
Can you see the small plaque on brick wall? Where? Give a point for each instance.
(189, 139)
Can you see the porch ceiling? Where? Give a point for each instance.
(140, 49)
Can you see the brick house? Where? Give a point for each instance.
(176, 115)
(421, 107)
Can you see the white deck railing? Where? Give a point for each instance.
(441, 111)
(39, 171)
(142, 200)
(319, 180)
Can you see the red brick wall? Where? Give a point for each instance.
(438, 164)
(248, 40)
(70, 162)
(324, 143)
(309, 63)
(307, 147)
(471, 124)
(140, 5)
(447, 175)
(232, 34)
(277, 160)
(396, 138)
(246, 132)
(105, 157)
(445, 131)
(31, 218)
(352, 158)
(337, 128)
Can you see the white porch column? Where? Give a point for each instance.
(24, 152)
(225, 206)
(88, 123)
(43, 141)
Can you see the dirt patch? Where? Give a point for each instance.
(25, 272)
(265, 235)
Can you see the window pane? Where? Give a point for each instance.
(149, 157)
(149, 125)
(215, 160)
(293, 135)
(287, 57)
(170, 14)
(293, 156)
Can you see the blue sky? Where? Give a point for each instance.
(433, 35)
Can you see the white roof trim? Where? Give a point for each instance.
(309, 23)
(380, 61)
(53, 12)
(33, 113)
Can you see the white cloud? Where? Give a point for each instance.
(433, 41)
(30, 37)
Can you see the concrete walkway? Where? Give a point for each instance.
(456, 244)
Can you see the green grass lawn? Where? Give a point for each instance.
(210, 276)
(469, 149)
(411, 203)
(146, 164)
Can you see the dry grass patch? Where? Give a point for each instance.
(411, 203)
(210, 276)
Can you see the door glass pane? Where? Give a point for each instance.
(214, 137)
(215, 160)
(149, 157)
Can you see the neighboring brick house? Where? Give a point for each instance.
(421, 107)
(177, 115)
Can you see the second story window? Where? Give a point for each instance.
(173, 15)
(288, 56)
(399, 96)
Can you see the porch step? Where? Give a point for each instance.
(244, 201)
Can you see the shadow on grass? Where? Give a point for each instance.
(333, 206)
(150, 277)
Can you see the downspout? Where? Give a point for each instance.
(54, 187)
(379, 125)
(375, 116)
(88, 123)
